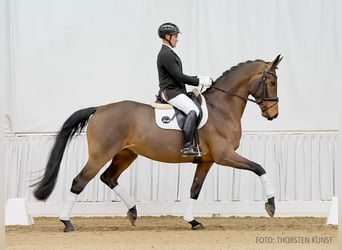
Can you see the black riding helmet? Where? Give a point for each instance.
(167, 29)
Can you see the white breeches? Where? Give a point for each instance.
(183, 103)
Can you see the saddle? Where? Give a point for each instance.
(169, 117)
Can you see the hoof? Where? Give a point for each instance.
(68, 227)
(132, 215)
(270, 207)
(195, 225)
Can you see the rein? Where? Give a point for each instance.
(241, 97)
(262, 83)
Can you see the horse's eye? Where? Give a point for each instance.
(272, 83)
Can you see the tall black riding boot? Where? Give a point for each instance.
(189, 128)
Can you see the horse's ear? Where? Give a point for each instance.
(276, 62)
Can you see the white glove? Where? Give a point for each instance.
(205, 81)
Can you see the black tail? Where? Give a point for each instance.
(76, 122)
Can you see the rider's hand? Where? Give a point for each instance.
(206, 81)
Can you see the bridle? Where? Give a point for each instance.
(262, 84)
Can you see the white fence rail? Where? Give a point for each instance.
(301, 166)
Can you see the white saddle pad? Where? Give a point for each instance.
(169, 114)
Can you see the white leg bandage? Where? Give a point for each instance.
(68, 205)
(267, 186)
(126, 198)
(188, 216)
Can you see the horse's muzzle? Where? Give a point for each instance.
(269, 110)
(271, 118)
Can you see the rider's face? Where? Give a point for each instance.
(173, 40)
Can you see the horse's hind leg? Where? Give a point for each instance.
(120, 162)
(91, 168)
(200, 175)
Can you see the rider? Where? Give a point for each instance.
(172, 84)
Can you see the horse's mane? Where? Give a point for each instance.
(234, 68)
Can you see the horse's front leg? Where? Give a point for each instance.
(235, 160)
(200, 174)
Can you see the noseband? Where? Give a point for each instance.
(262, 84)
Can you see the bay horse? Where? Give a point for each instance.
(121, 131)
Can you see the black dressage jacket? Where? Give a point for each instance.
(171, 78)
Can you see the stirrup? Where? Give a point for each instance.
(191, 152)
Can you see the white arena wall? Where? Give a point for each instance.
(65, 55)
(301, 165)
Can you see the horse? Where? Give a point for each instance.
(119, 132)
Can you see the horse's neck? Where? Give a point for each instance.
(231, 102)
(227, 102)
(225, 111)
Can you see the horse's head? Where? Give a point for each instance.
(263, 87)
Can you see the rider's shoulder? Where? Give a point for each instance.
(165, 52)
